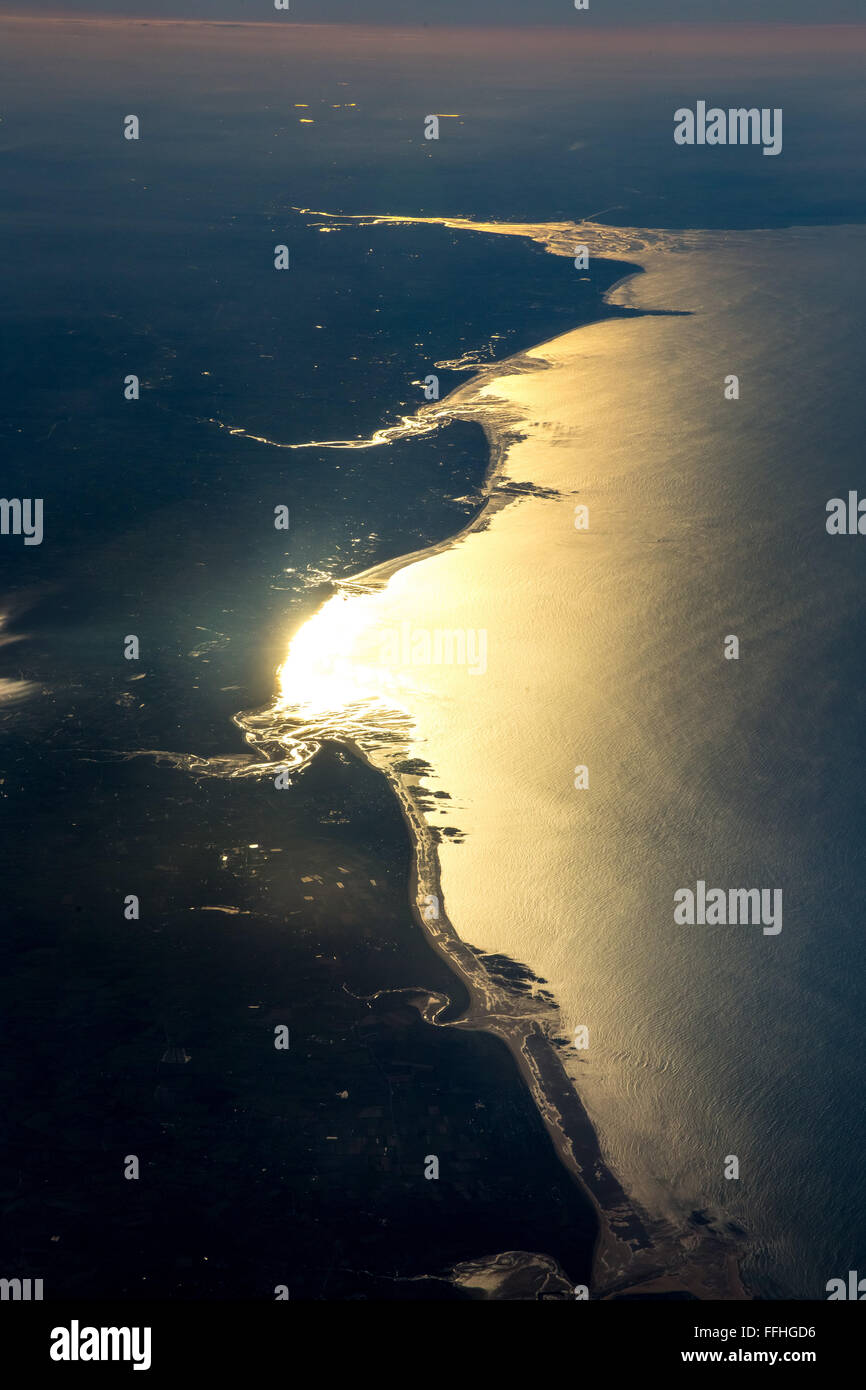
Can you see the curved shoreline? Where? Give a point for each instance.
(633, 1251)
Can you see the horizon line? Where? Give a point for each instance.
(90, 17)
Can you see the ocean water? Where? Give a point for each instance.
(604, 647)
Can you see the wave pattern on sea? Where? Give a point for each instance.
(335, 687)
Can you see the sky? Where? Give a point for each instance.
(473, 12)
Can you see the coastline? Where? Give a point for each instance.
(634, 1251)
(683, 548)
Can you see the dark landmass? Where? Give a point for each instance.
(258, 1167)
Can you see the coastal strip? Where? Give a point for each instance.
(634, 1252)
